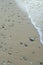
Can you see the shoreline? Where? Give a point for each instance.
(24, 8)
(19, 40)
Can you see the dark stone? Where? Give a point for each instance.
(10, 53)
(32, 39)
(18, 16)
(21, 43)
(39, 47)
(25, 45)
(1, 46)
(2, 43)
(41, 63)
(9, 61)
(8, 20)
(3, 26)
(10, 3)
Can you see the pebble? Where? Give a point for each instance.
(32, 39)
(10, 53)
(33, 52)
(10, 36)
(2, 43)
(26, 45)
(8, 20)
(9, 62)
(3, 25)
(24, 58)
(10, 3)
(1, 46)
(39, 47)
(21, 43)
(41, 63)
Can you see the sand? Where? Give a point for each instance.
(19, 40)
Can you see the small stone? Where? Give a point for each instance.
(18, 16)
(39, 47)
(9, 62)
(32, 39)
(21, 43)
(10, 3)
(3, 25)
(25, 45)
(25, 58)
(10, 53)
(1, 46)
(10, 36)
(8, 20)
(33, 52)
(41, 63)
(1, 42)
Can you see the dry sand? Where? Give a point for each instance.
(16, 47)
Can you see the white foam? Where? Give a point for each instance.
(21, 4)
(34, 9)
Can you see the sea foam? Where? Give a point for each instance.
(34, 10)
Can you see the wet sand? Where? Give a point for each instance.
(19, 40)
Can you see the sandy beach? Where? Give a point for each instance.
(19, 40)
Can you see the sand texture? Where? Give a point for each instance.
(19, 41)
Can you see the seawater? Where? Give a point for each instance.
(34, 10)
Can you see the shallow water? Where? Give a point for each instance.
(34, 10)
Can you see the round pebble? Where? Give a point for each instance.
(10, 53)
(1, 46)
(21, 43)
(41, 63)
(26, 45)
(25, 58)
(32, 39)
